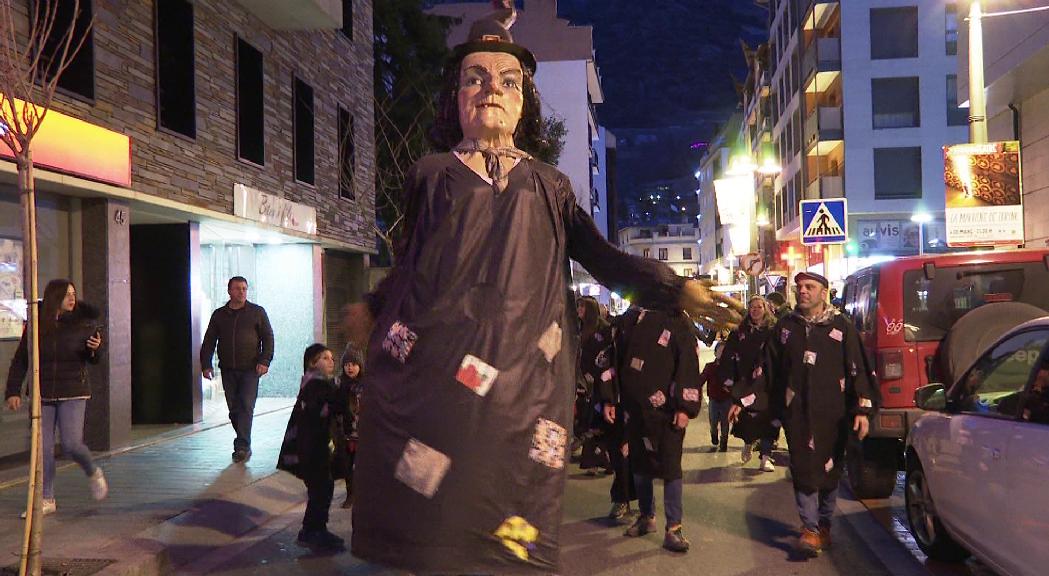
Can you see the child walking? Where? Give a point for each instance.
(306, 451)
(350, 395)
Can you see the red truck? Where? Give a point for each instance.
(903, 309)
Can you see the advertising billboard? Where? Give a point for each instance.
(984, 197)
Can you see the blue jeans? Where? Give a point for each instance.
(69, 416)
(241, 388)
(718, 412)
(646, 499)
(816, 508)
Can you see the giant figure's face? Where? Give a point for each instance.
(490, 95)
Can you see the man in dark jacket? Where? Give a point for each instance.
(245, 344)
(820, 389)
(658, 388)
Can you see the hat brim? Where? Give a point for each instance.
(526, 58)
(811, 276)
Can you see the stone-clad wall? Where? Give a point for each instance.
(202, 172)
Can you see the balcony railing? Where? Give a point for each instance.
(823, 124)
(823, 55)
(825, 187)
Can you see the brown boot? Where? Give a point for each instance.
(809, 543)
(825, 541)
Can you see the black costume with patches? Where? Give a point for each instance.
(818, 379)
(484, 273)
(741, 363)
(657, 376)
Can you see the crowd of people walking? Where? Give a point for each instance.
(800, 371)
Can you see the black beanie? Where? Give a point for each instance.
(310, 355)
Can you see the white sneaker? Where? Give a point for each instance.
(99, 486)
(767, 465)
(48, 506)
(746, 453)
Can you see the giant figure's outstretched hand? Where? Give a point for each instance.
(714, 310)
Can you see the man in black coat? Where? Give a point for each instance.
(657, 384)
(819, 387)
(244, 337)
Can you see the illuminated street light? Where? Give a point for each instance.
(921, 218)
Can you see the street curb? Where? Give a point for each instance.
(896, 558)
(180, 432)
(204, 529)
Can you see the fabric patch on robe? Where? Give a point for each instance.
(548, 444)
(422, 468)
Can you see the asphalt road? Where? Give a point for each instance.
(742, 522)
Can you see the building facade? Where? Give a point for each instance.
(239, 142)
(713, 165)
(1016, 77)
(671, 244)
(863, 98)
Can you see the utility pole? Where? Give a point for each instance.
(977, 102)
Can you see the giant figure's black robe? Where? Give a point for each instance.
(469, 386)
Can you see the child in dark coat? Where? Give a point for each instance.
(307, 448)
(349, 382)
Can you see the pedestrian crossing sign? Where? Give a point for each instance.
(824, 221)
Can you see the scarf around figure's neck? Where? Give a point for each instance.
(491, 155)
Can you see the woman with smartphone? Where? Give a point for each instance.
(70, 338)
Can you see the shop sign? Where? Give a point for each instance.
(895, 235)
(273, 210)
(984, 194)
(72, 146)
(735, 202)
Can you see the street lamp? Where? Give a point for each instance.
(921, 218)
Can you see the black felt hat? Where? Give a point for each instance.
(492, 34)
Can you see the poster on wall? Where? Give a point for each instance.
(12, 300)
(984, 195)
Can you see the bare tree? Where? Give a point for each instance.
(32, 60)
(400, 144)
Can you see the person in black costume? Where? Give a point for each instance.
(471, 351)
(740, 365)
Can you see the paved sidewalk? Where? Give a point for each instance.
(170, 502)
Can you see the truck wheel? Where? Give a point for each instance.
(872, 467)
(925, 524)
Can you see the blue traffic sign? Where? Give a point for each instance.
(824, 221)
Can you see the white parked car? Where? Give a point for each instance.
(978, 462)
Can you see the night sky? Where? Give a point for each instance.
(666, 69)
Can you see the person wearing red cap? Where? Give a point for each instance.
(820, 388)
(471, 338)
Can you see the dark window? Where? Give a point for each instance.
(951, 34)
(79, 76)
(894, 33)
(931, 307)
(251, 140)
(994, 385)
(895, 102)
(646, 252)
(686, 253)
(347, 154)
(302, 120)
(1036, 401)
(897, 173)
(347, 19)
(176, 96)
(955, 116)
(664, 254)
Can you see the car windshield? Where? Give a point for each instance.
(932, 306)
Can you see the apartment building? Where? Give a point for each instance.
(864, 97)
